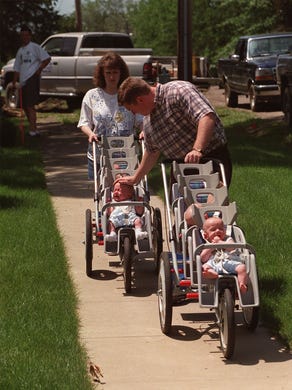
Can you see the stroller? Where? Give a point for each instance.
(119, 157)
(180, 276)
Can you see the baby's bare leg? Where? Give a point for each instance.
(111, 227)
(138, 223)
(209, 273)
(242, 277)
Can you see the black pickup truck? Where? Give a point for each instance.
(284, 79)
(251, 70)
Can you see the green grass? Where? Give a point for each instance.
(261, 186)
(39, 327)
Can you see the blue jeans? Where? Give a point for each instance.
(91, 169)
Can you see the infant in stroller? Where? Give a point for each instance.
(219, 261)
(124, 215)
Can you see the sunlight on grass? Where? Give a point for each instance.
(39, 327)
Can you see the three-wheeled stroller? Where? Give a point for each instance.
(180, 274)
(119, 157)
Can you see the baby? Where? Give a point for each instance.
(124, 215)
(221, 261)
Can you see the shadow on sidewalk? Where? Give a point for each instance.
(64, 150)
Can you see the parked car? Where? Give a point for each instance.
(251, 70)
(73, 60)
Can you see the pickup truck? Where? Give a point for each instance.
(73, 60)
(251, 70)
(284, 79)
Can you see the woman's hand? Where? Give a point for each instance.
(92, 137)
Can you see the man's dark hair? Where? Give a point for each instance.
(26, 28)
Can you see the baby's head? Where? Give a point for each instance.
(123, 191)
(213, 227)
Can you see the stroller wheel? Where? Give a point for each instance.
(88, 242)
(127, 264)
(251, 317)
(226, 323)
(157, 237)
(164, 293)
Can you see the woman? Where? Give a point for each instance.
(100, 112)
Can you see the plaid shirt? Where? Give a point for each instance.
(172, 126)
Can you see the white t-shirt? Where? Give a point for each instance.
(28, 59)
(103, 115)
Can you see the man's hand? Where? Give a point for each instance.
(193, 157)
(130, 180)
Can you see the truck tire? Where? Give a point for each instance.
(73, 103)
(231, 98)
(253, 99)
(287, 107)
(12, 95)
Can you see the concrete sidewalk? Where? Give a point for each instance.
(121, 332)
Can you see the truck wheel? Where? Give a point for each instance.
(12, 96)
(253, 100)
(73, 103)
(287, 107)
(231, 98)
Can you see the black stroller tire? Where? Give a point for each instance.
(127, 264)
(164, 293)
(226, 323)
(157, 237)
(88, 242)
(251, 317)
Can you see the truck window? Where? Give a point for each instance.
(270, 46)
(61, 46)
(253, 48)
(240, 48)
(69, 45)
(107, 41)
(281, 45)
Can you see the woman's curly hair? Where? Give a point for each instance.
(113, 61)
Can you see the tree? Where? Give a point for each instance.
(216, 24)
(78, 15)
(67, 23)
(39, 15)
(154, 24)
(105, 15)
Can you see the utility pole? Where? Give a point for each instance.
(184, 40)
(78, 15)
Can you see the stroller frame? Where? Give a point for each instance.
(180, 277)
(127, 247)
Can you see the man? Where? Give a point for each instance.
(178, 122)
(30, 60)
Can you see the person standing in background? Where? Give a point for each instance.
(30, 60)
